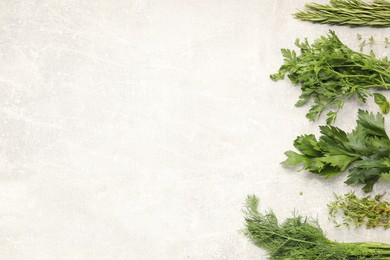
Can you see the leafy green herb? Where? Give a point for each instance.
(329, 73)
(366, 211)
(366, 151)
(348, 12)
(302, 238)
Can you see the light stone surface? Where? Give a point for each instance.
(135, 129)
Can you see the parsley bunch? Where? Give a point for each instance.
(329, 73)
(366, 151)
(348, 12)
(302, 238)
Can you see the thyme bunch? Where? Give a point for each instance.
(366, 211)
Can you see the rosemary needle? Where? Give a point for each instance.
(348, 12)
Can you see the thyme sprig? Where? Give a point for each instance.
(356, 211)
(371, 41)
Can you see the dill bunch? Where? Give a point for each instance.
(348, 12)
(299, 238)
(329, 73)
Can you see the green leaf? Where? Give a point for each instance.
(365, 176)
(334, 133)
(277, 76)
(290, 56)
(340, 161)
(333, 141)
(357, 141)
(373, 125)
(370, 184)
(301, 102)
(331, 117)
(372, 54)
(382, 102)
(385, 162)
(308, 145)
(327, 171)
(385, 176)
(294, 159)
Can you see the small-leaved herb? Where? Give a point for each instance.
(366, 211)
(371, 41)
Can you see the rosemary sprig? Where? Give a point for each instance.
(348, 12)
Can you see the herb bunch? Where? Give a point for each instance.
(329, 73)
(366, 211)
(366, 151)
(302, 238)
(348, 12)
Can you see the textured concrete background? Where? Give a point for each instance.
(134, 129)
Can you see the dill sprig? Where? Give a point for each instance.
(302, 238)
(348, 12)
(329, 73)
(356, 211)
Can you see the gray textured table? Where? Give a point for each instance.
(135, 129)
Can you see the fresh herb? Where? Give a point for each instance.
(348, 12)
(302, 238)
(330, 73)
(364, 43)
(371, 41)
(366, 211)
(366, 150)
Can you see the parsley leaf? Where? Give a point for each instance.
(329, 73)
(382, 102)
(365, 151)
